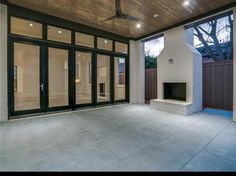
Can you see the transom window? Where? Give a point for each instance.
(26, 28)
(84, 40)
(121, 47)
(104, 44)
(59, 34)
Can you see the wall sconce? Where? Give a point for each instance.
(171, 61)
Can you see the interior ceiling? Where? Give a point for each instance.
(93, 12)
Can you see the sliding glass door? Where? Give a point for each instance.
(25, 83)
(103, 78)
(120, 78)
(45, 77)
(26, 72)
(83, 78)
(58, 77)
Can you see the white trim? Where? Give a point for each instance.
(3, 64)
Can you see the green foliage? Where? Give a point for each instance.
(150, 62)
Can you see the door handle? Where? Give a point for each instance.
(41, 86)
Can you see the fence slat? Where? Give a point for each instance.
(150, 84)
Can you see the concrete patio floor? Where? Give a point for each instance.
(120, 138)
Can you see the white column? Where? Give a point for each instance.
(3, 63)
(234, 60)
(137, 72)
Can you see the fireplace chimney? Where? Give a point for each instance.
(178, 63)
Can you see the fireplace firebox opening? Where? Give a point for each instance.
(175, 91)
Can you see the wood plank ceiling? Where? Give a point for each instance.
(93, 12)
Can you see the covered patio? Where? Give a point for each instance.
(120, 138)
(72, 85)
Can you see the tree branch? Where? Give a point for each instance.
(205, 44)
(221, 29)
(204, 30)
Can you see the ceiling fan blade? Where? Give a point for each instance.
(111, 18)
(131, 18)
(120, 15)
(117, 6)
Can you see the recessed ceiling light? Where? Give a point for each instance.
(105, 41)
(138, 25)
(31, 25)
(186, 3)
(156, 15)
(59, 32)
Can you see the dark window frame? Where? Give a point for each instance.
(71, 39)
(122, 43)
(82, 45)
(30, 20)
(72, 48)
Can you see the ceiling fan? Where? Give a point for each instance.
(120, 15)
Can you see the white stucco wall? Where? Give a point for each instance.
(3, 63)
(234, 89)
(176, 49)
(137, 74)
(186, 67)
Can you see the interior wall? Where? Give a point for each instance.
(3, 64)
(26, 59)
(84, 87)
(58, 72)
(137, 72)
(234, 60)
(103, 75)
(83, 78)
(119, 89)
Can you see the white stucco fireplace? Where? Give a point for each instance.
(179, 74)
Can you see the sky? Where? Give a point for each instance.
(223, 36)
(154, 47)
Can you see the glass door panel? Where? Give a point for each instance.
(83, 78)
(120, 78)
(103, 78)
(26, 77)
(58, 77)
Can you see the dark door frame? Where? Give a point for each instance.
(46, 73)
(45, 20)
(111, 101)
(11, 96)
(126, 78)
(71, 76)
(93, 74)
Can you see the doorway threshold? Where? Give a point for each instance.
(54, 113)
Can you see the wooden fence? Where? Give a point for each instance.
(150, 84)
(217, 85)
